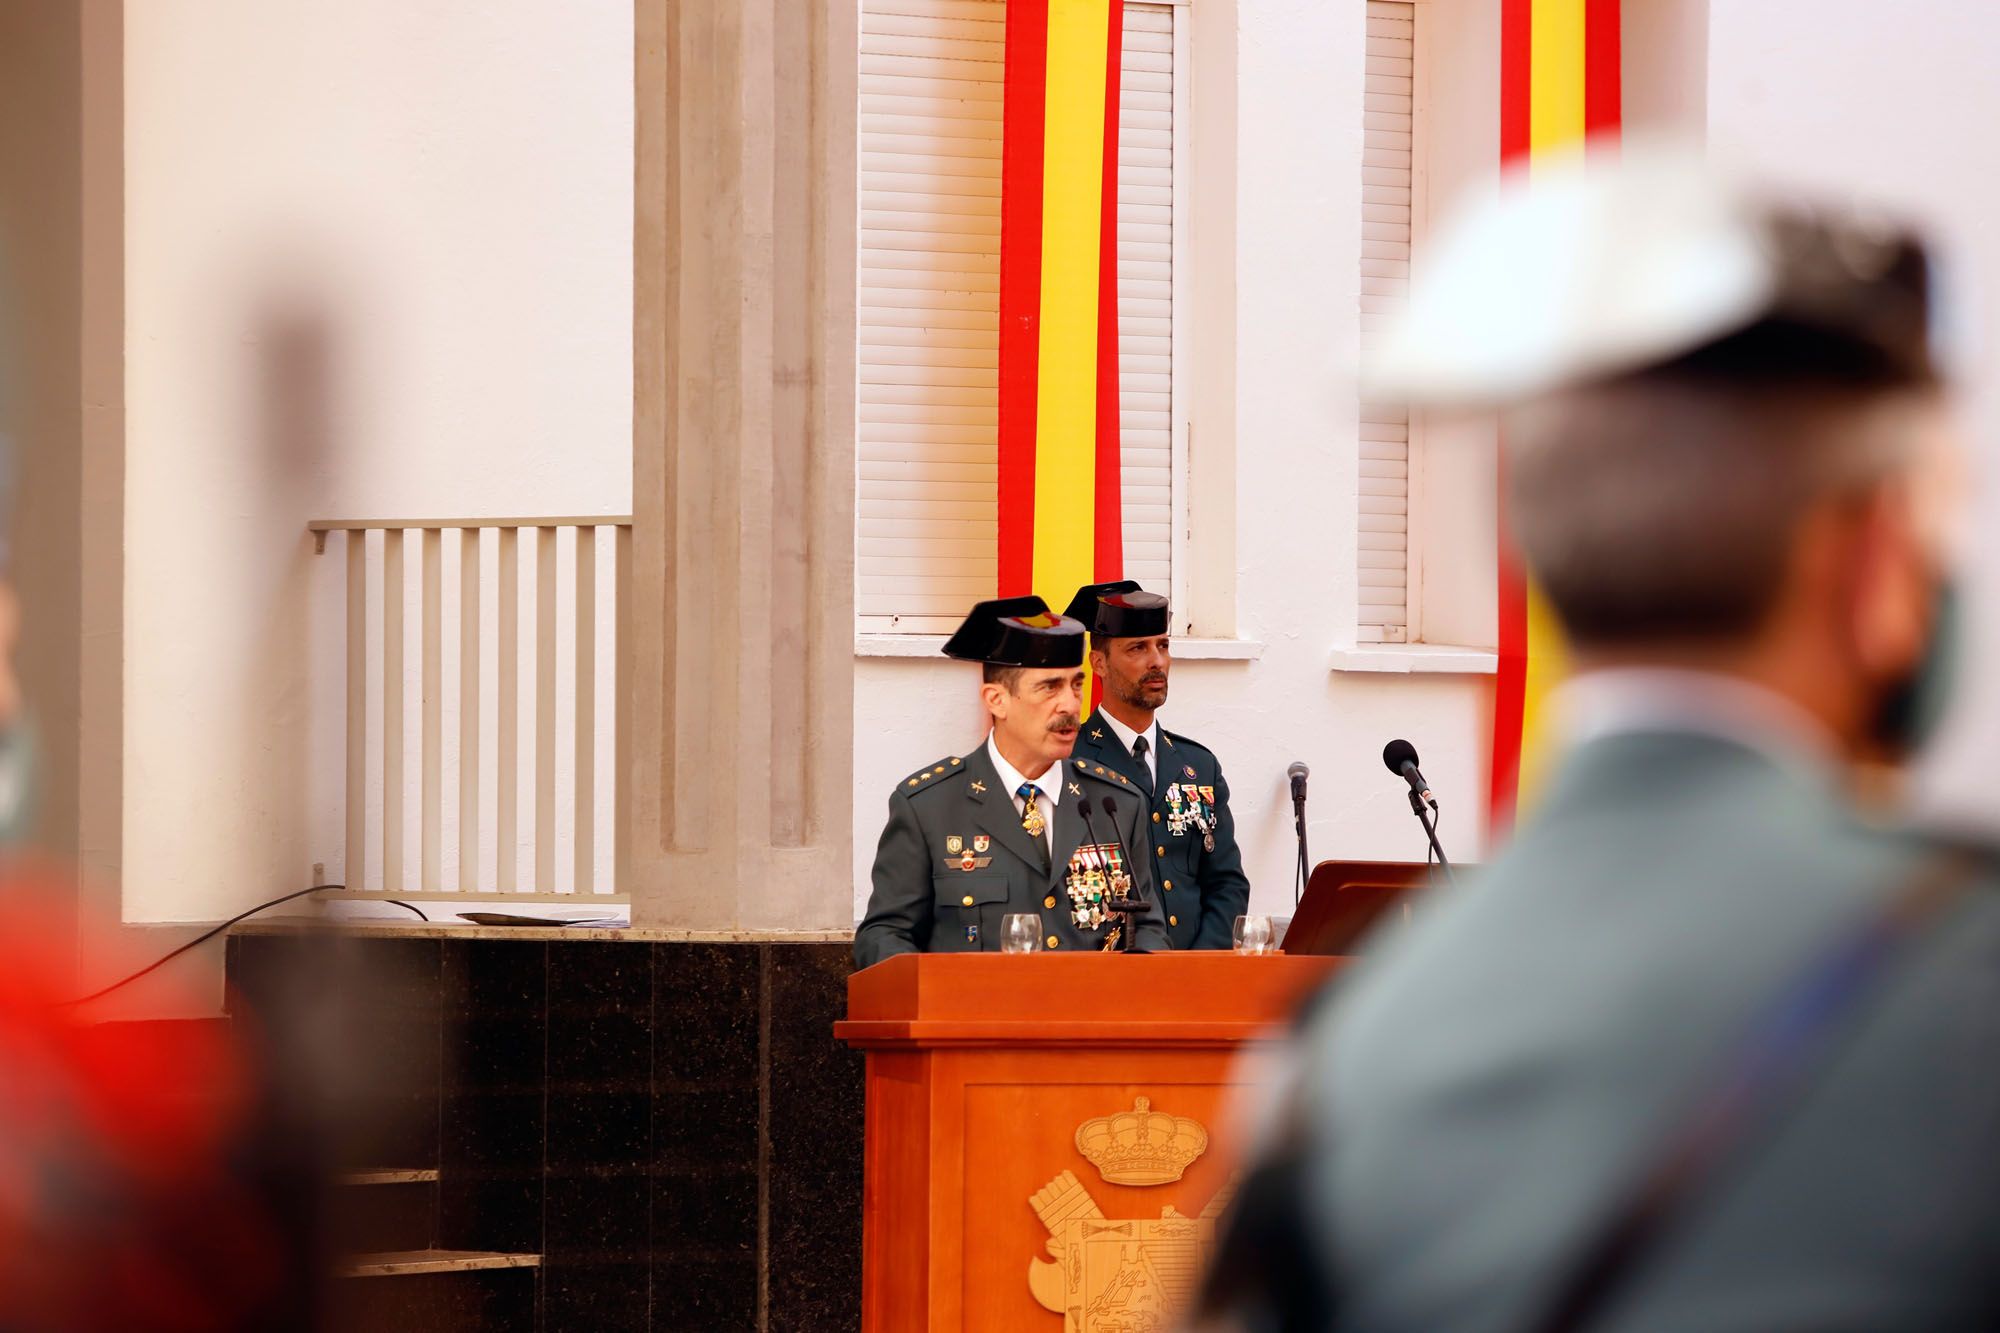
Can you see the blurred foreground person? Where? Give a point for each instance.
(136, 1181)
(154, 1177)
(1707, 1046)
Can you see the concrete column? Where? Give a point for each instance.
(736, 658)
(62, 432)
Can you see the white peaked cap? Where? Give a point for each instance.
(1589, 269)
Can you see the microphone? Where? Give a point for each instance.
(1400, 757)
(1297, 773)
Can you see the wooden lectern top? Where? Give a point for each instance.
(913, 1001)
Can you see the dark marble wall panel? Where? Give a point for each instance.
(356, 1027)
(671, 1126)
(501, 1301)
(705, 1015)
(707, 1134)
(494, 1123)
(817, 1106)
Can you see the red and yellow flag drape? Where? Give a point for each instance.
(1559, 84)
(1059, 514)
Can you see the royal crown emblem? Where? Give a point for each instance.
(1141, 1146)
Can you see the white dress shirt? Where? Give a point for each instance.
(1628, 699)
(1126, 736)
(1047, 787)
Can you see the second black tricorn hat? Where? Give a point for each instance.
(1121, 610)
(1017, 631)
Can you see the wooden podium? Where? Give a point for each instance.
(1044, 1147)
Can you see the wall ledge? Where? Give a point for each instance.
(444, 930)
(1417, 658)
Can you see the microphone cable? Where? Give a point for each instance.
(210, 934)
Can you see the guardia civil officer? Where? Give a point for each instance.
(1708, 1045)
(1202, 886)
(1000, 830)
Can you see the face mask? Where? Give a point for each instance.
(1908, 712)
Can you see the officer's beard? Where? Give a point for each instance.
(1148, 692)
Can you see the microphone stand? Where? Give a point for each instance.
(1305, 862)
(1426, 818)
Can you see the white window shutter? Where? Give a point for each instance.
(1382, 523)
(1146, 293)
(931, 119)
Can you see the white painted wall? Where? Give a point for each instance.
(379, 264)
(427, 207)
(1895, 103)
(1283, 411)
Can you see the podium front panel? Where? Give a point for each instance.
(1048, 1136)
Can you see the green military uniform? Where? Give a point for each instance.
(1493, 1075)
(958, 855)
(1192, 834)
(1536, 1106)
(954, 859)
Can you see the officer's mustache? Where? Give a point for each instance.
(1156, 678)
(1064, 722)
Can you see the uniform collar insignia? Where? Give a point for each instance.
(978, 787)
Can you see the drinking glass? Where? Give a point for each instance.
(1020, 932)
(1252, 934)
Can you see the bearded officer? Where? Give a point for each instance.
(973, 838)
(1202, 886)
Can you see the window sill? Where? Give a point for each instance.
(1408, 658)
(929, 645)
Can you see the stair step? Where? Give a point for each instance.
(405, 1263)
(388, 1176)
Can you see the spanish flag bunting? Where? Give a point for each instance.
(1559, 84)
(1059, 517)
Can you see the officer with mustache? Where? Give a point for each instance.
(1193, 842)
(974, 838)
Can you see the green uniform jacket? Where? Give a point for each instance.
(1492, 1075)
(1202, 891)
(937, 889)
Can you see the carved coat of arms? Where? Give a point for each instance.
(1124, 1275)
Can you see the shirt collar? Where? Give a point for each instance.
(1623, 700)
(1049, 783)
(1126, 735)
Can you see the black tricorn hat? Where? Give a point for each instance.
(1017, 631)
(1121, 610)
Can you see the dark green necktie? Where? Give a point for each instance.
(1139, 748)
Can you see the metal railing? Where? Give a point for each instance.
(511, 812)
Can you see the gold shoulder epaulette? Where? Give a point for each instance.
(923, 777)
(1100, 771)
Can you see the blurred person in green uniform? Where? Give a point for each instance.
(1712, 1042)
